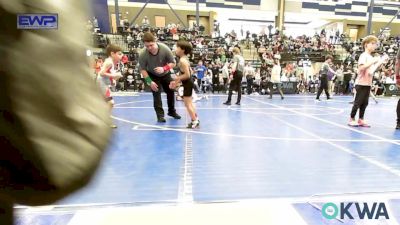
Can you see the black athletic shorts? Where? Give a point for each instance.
(187, 88)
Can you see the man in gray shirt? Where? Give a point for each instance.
(156, 61)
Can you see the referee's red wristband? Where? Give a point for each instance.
(167, 68)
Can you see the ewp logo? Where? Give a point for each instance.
(331, 210)
(37, 21)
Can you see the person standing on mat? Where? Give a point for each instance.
(109, 73)
(324, 77)
(156, 61)
(398, 86)
(275, 79)
(367, 64)
(183, 50)
(237, 68)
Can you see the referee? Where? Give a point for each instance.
(156, 61)
(237, 68)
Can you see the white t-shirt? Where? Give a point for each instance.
(248, 71)
(225, 71)
(276, 74)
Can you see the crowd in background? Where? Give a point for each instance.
(211, 57)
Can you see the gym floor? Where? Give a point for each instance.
(275, 150)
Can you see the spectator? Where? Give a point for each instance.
(201, 71)
(249, 74)
(215, 77)
(225, 74)
(339, 80)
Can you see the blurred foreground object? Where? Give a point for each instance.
(54, 122)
